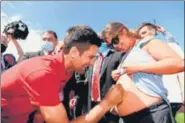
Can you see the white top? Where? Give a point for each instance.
(171, 82)
(177, 48)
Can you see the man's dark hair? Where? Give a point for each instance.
(80, 34)
(52, 32)
(149, 25)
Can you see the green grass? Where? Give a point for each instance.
(179, 117)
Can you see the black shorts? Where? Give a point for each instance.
(158, 113)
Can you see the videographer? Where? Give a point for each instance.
(14, 32)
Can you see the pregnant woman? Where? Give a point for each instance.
(145, 98)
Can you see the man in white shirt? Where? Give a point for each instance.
(174, 83)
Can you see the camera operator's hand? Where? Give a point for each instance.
(4, 39)
(11, 38)
(114, 95)
(4, 42)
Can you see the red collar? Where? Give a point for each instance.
(61, 68)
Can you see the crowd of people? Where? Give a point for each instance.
(118, 75)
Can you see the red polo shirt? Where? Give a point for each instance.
(31, 83)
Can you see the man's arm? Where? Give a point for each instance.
(54, 114)
(169, 36)
(167, 60)
(45, 94)
(174, 45)
(18, 48)
(166, 34)
(95, 114)
(28, 55)
(24, 57)
(57, 114)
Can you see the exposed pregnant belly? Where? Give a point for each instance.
(134, 100)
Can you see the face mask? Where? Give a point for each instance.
(3, 48)
(47, 46)
(103, 48)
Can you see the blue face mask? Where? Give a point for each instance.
(47, 46)
(103, 48)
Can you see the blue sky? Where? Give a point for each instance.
(60, 15)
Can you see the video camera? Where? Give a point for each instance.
(17, 30)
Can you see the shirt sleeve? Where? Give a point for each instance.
(43, 88)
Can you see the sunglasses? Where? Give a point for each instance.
(115, 40)
(143, 32)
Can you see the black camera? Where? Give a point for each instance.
(17, 30)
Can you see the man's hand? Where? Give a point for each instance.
(160, 29)
(57, 114)
(112, 98)
(73, 102)
(114, 95)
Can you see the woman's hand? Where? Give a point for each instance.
(116, 74)
(126, 68)
(131, 68)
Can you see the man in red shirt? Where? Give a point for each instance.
(35, 84)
